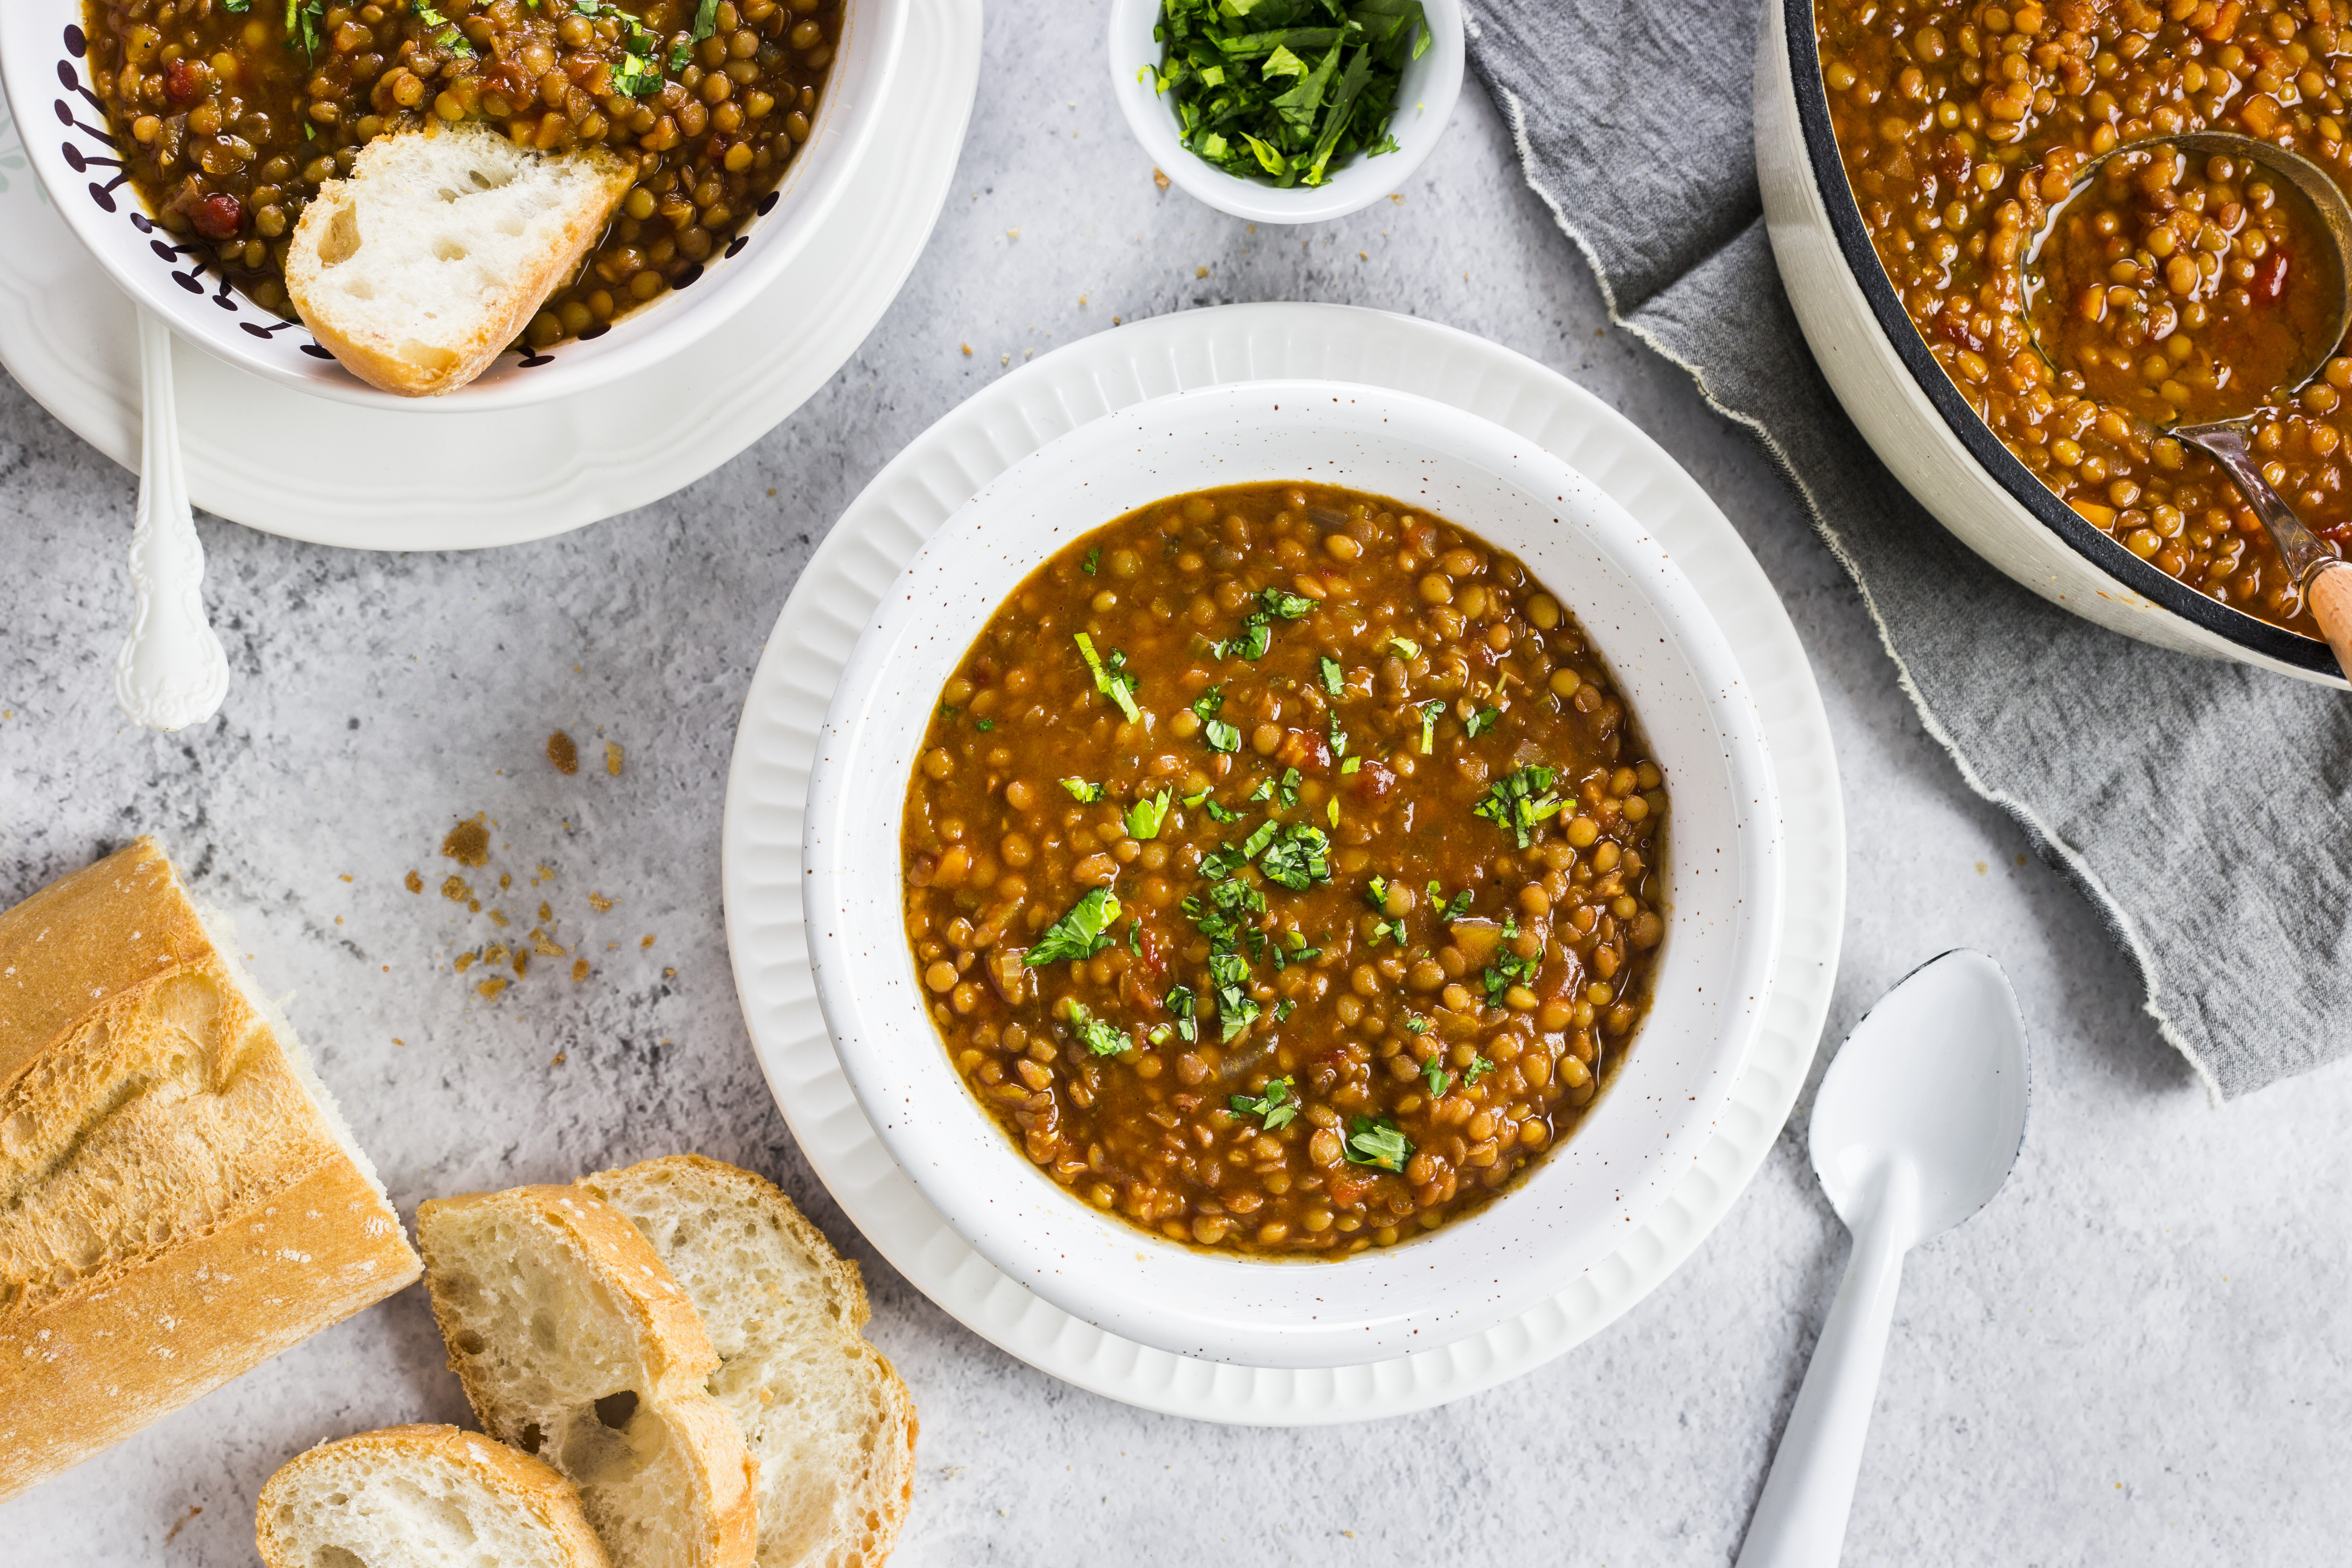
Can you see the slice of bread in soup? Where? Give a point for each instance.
(575, 1344)
(827, 1418)
(422, 1497)
(179, 1198)
(435, 254)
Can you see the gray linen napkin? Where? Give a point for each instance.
(2202, 807)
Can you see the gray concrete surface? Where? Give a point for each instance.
(2138, 1354)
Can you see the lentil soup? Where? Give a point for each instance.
(1963, 124)
(230, 116)
(1282, 871)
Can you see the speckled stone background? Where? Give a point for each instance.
(2139, 1353)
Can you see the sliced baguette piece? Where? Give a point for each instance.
(827, 1418)
(179, 1197)
(422, 1497)
(436, 251)
(575, 1344)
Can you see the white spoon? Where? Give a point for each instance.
(1917, 1125)
(171, 672)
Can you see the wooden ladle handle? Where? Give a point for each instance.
(2329, 596)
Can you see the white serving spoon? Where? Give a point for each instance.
(171, 672)
(1917, 1125)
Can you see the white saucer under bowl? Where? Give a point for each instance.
(768, 914)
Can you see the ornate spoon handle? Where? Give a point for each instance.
(171, 672)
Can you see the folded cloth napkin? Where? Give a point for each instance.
(2201, 806)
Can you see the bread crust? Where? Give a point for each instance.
(886, 1486)
(528, 1483)
(174, 1206)
(670, 1341)
(377, 362)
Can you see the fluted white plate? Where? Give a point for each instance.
(364, 478)
(837, 594)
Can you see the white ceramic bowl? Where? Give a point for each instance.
(1916, 419)
(1426, 95)
(1722, 868)
(43, 66)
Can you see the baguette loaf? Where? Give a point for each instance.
(827, 1416)
(433, 256)
(575, 1344)
(179, 1199)
(422, 1497)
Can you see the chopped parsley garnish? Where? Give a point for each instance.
(1285, 91)
(1433, 1073)
(1518, 801)
(1098, 1035)
(1288, 788)
(983, 725)
(1260, 836)
(1298, 858)
(1263, 791)
(1276, 1109)
(236, 8)
(1430, 711)
(1416, 1022)
(1250, 642)
(1221, 736)
(1236, 1009)
(1481, 721)
(1453, 912)
(1082, 792)
(1290, 607)
(1334, 677)
(1093, 562)
(1404, 647)
(1219, 864)
(1284, 1009)
(1351, 765)
(1111, 677)
(303, 18)
(1479, 1068)
(1206, 802)
(1508, 969)
(1145, 817)
(706, 19)
(948, 712)
(1079, 934)
(1376, 1142)
(1185, 1007)
(1338, 738)
(1376, 892)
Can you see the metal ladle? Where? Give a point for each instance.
(2323, 577)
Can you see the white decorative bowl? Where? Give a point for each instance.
(1723, 874)
(1916, 419)
(44, 66)
(1426, 95)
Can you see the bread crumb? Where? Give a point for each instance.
(464, 961)
(545, 945)
(1160, 178)
(347, 876)
(1363, 256)
(1082, 300)
(579, 969)
(557, 1061)
(1200, 272)
(1397, 199)
(967, 351)
(506, 880)
(468, 843)
(192, 1508)
(521, 963)
(474, 905)
(563, 752)
(613, 759)
(416, 883)
(1004, 359)
(495, 953)
(647, 942)
(1012, 234)
(544, 874)
(398, 1041)
(546, 914)
(599, 902)
(491, 986)
(498, 919)
(456, 890)
(669, 974)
